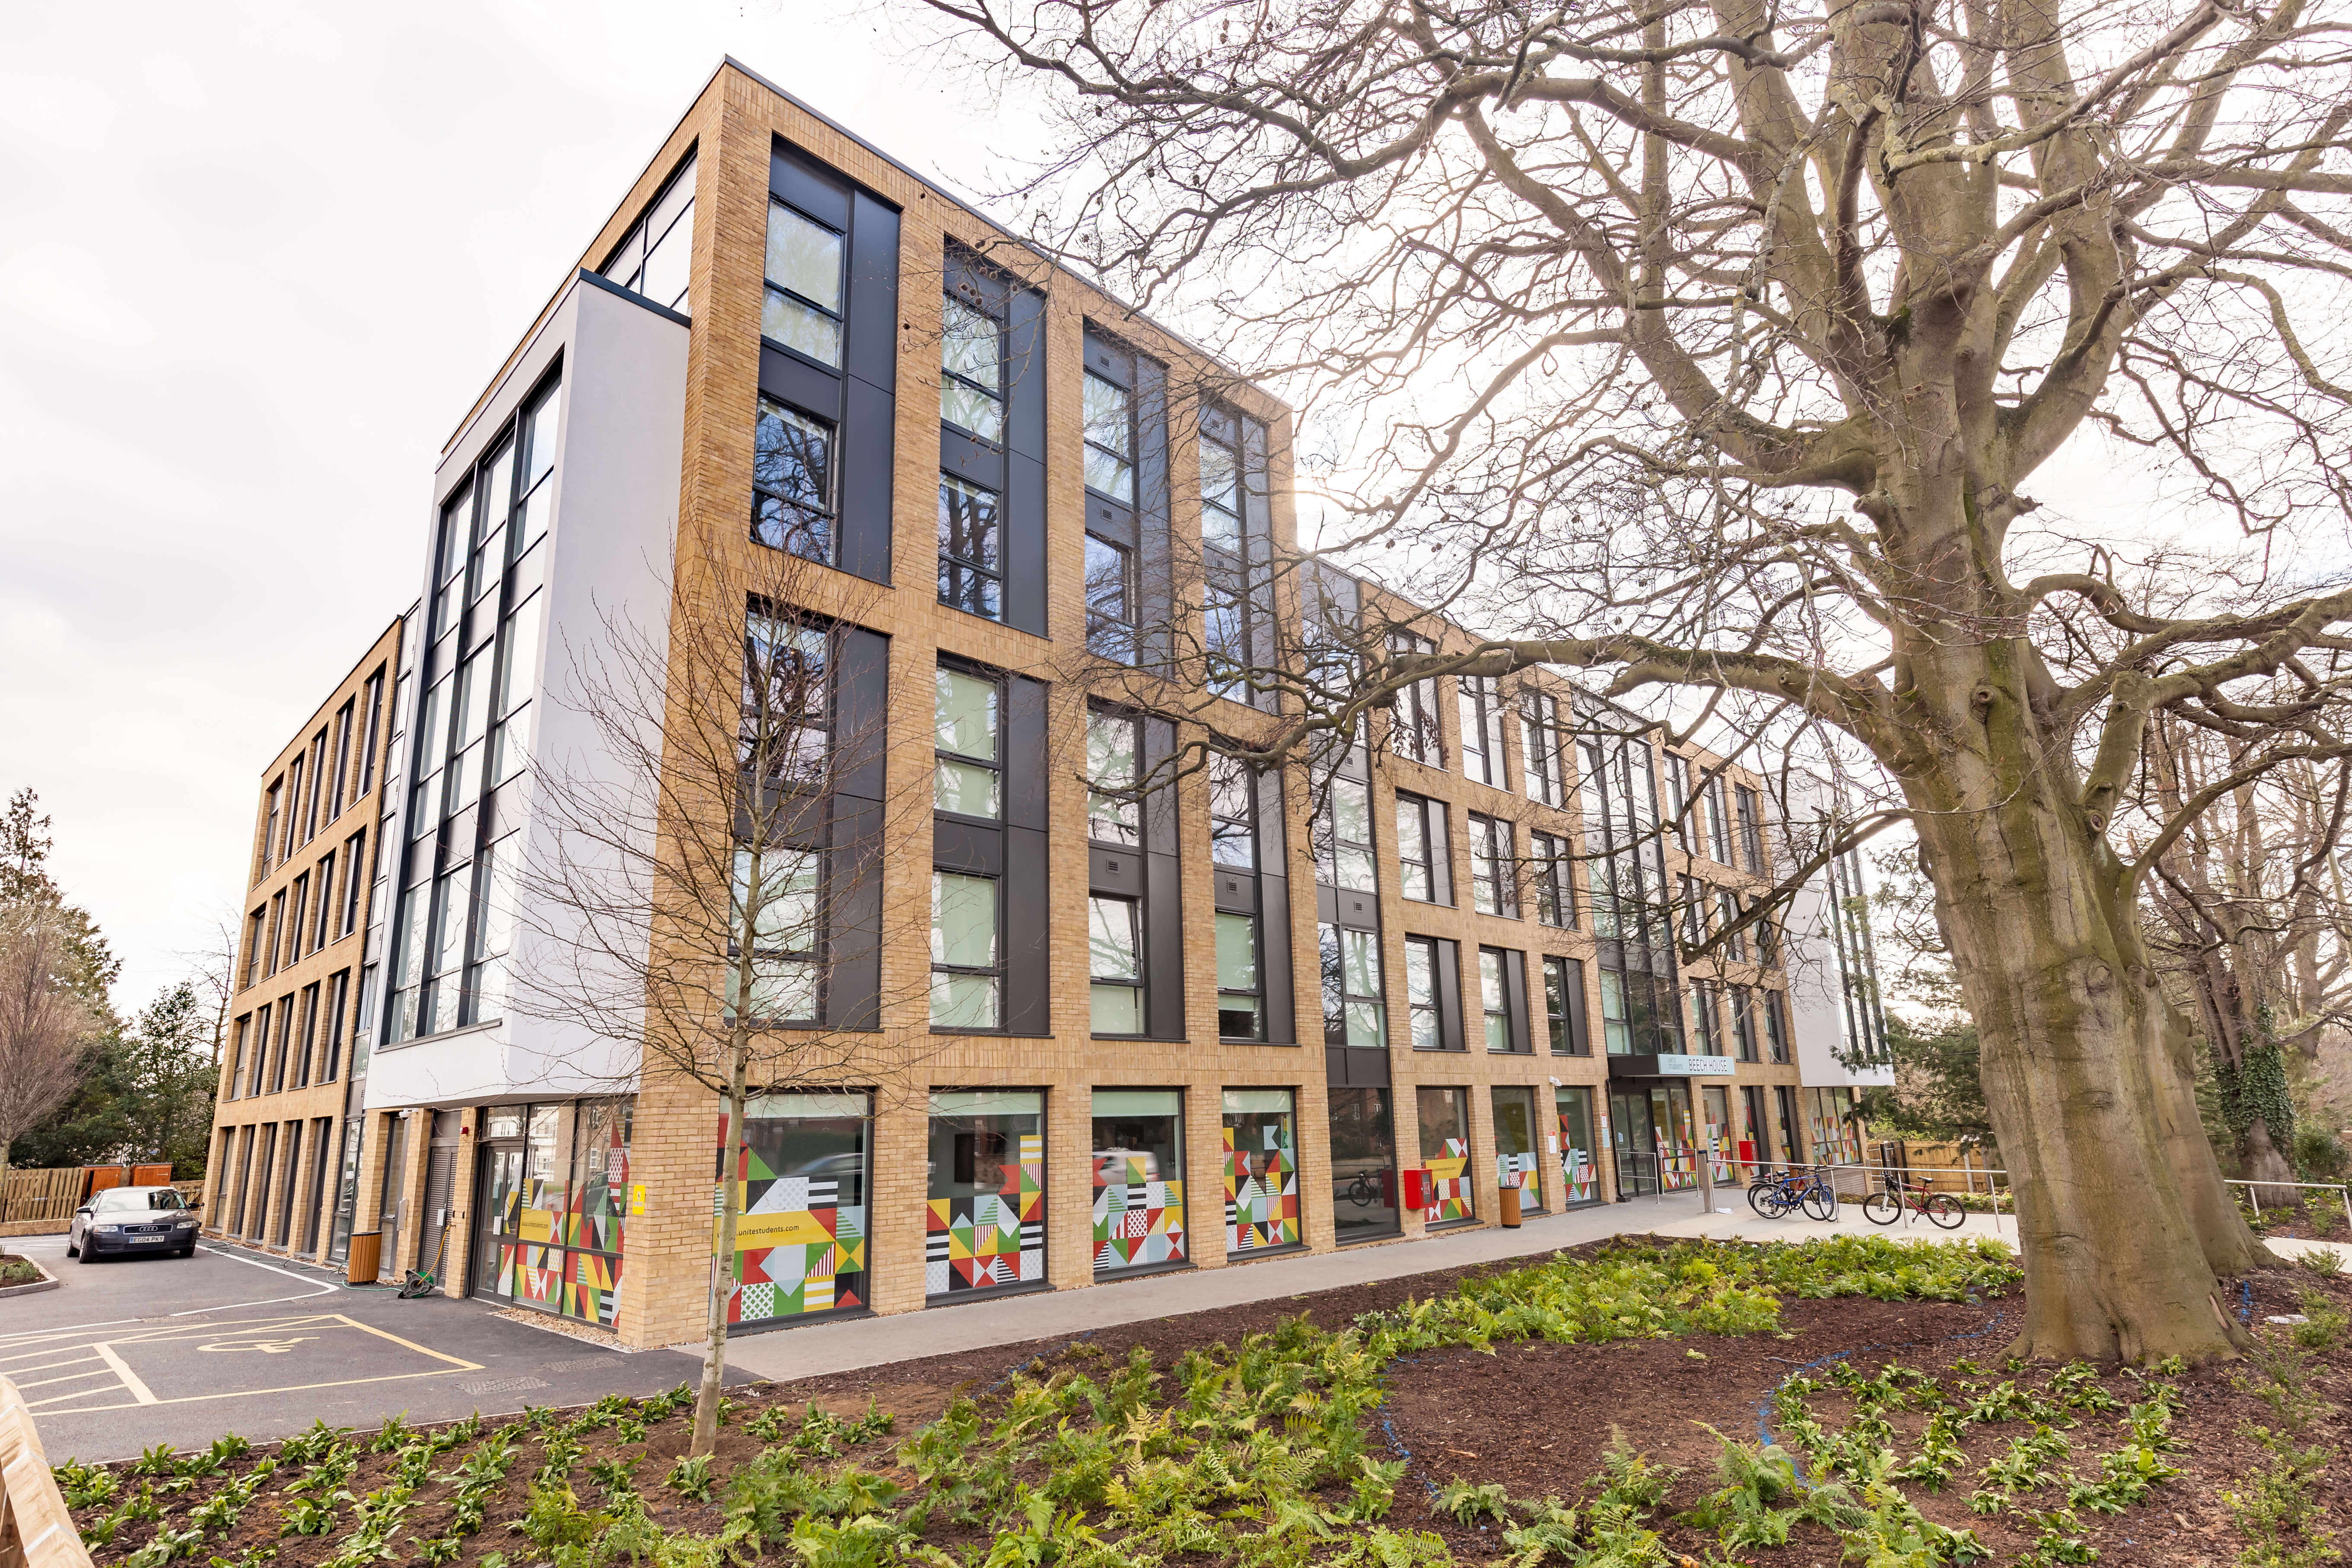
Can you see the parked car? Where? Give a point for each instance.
(135, 1220)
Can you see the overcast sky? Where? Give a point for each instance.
(257, 262)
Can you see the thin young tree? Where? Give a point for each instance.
(710, 897)
(1716, 347)
(44, 1023)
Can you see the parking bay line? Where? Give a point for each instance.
(142, 1395)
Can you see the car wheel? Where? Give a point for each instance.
(89, 1254)
(189, 1250)
(71, 1250)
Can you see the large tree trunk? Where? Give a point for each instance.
(2124, 1220)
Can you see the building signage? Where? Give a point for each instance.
(1696, 1066)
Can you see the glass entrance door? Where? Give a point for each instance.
(1632, 1138)
(497, 1206)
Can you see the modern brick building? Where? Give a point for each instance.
(1171, 1027)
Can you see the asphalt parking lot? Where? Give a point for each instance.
(138, 1350)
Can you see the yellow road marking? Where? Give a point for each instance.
(138, 1390)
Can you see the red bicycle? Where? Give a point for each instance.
(1886, 1206)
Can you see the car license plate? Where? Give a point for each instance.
(146, 1240)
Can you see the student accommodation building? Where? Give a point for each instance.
(1168, 1017)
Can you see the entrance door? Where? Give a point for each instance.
(1632, 1138)
(392, 1202)
(497, 1197)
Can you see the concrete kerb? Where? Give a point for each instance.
(47, 1281)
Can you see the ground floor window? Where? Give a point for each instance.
(1139, 1160)
(986, 1225)
(551, 1201)
(1716, 1135)
(1515, 1144)
(1580, 1168)
(1651, 1130)
(1837, 1140)
(1261, 1170)
(1446, 1154)
(1363, 1164)
(800, 1235)
(347, 1190)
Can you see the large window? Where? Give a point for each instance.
(1241, 988)
(1115, 964)
(801, 1243)
(1139, 1179)
(966, 962)
(1422, 850)
(1564, 1006)
(1444, 1118)
(1734, 941)
(803, 304)
(1493, 886)
(656, 255)
(792, 481)
(1550, 861)
(1110, 589)
(1579, 1167)
(1743, 1022)
(1113, 746)
(968, 771)
(1363, 1164)
(1232, 814)
(971, 369)
(787, 697)
(1261, 1129)
(1705, 1034)
(1515, 1144)
(775, 899)
(972, 548)
(986, 1214)
(1353, 1011)
(1481, 705)
(1776, 1033)
(1495, 997)
(1237, 594)
(1413, 721)
(1109, 409)
(1540, 751)
(1343, 848)
(1423, 993)
(1752, 829)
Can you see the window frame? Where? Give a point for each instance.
(1493, 843)
(840, 319)
(1479, 704)
(972, 578)
(1564, 1017)
(1550, 859)
(940, 753)
(1542, 758)
(1258, 974)
(993, 972)
(825, 509)
(997, 398)
(1429, 838)
(1135, 982)
(1494, 1000)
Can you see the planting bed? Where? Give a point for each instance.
(1604, 1408)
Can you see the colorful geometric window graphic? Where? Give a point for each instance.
(986, 1225)
(1139, 1160)
(801, 1243)
(1580, 1173)
(1261, 1170)
(1446, 1150)
(560, 1241)
(1515, 1144)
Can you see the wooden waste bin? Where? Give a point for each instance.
(366, 1258)
(1510, 1208)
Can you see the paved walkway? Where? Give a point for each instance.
(848, 1344)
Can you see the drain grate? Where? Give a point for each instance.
(502, 1384)
(573, 1364)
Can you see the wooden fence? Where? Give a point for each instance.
(43, 1194)
(36, 1531)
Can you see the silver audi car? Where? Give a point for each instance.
(133, 1220)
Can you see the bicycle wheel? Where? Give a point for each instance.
(1944, 1210)
(1758, 1191)
(1820, 1201)
(1882, 1207)
(1777, 1201)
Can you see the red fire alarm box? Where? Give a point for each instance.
(1418, 1187)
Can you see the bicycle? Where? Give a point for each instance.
(1768, 1187)
(1886, 1206)
(1363, 1192)
(1800, 1189)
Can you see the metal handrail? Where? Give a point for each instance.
(2341, 1190)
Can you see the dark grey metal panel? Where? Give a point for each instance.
(1449, 995)
(1356, 1067)
(873, 350)
(959, 846)
(1274, 960)
(853, 982)
(1024, 376)
(1028, 922)
(1024, 753)
(970, 457)
(809, 185)
(1119, 871)
(1023, 514)
(861, 704)
(1577, 1038)
(1514, 996)
(793, 380)
(1235, 892)
(1160, 805)
(1163, 950)
(1271, 822)
(1155, 544)
(1359, 911)
(865, 482)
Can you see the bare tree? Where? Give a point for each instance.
(44, 1022)
(709, 898)
(2252, 919)
(1716, 346)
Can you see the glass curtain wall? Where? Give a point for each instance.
(1363, 1164)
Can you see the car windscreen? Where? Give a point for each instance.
(116, 1200)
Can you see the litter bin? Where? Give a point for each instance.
(366, 1258)
(1510, 1208)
